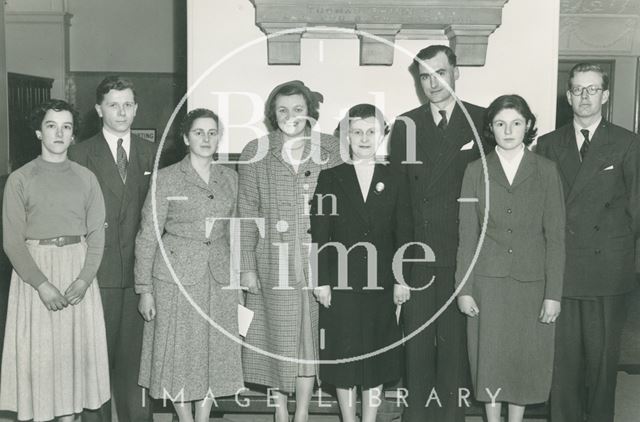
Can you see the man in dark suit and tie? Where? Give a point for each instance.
(599, 164)
(122, 163)
(444, 143)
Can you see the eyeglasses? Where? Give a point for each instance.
(579, 90)
(358, 134)
(199, 133)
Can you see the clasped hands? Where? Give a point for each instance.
(53, 300)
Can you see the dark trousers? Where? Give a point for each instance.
(587, 351)
(124, 327)
(436, 358)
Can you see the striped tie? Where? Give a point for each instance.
(585, 145)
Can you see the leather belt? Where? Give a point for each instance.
(61, 241)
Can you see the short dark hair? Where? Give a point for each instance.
(187, 121)
(589, 67)
(113, 82)
(361, 111)
(514, 102)
(311, 98)
(38, 113)
(432, 51)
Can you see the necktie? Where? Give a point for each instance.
(442, 125)
(585, 145)
(122, 161)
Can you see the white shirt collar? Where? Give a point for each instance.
(435, 111)
(112, 141)
(592, 129)
(510, 165)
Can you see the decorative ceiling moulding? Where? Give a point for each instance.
(600, 27)
(467, 25)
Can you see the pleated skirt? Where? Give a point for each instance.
(54, 363)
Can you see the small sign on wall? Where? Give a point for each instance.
(146, 134)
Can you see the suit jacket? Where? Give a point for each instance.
(524, 236)
(123, 202)
(384, 221)
(184, 203)
(603, 205)
(435, 183)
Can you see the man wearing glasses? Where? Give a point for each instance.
(599, 164)
(122, 163)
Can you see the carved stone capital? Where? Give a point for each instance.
(466, 23)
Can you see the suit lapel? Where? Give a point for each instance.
(351, 187)
(496, 172)
(568, 155)
(593, 161)
(449, 147)
(526, 168)
(106, 167)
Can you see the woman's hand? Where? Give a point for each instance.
(550, 311)
(75, 292)
(468, 306)
(323, 295)
(51, 297)
(401, 294)
(249, 280)
(147, 306)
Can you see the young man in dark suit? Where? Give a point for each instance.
(444, 142)
(122, 163)
(599, 164)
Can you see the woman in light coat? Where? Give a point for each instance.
(276, 189)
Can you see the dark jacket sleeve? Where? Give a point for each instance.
(553, 225)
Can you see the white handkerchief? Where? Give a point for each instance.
(398, 309)
(609, 168)
(177, 198)
(245, 316)
(146, 173)
(467, 146)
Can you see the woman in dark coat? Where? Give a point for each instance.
(358, 202)
(512, 292)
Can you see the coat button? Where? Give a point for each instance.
(510, 250)
(425, 200)
(509, 231)
(607, 205)
(307, 173)
(509, 211)
(597, 251)
(207, 242)
(309, 231)
(210, 196)
(596, 228)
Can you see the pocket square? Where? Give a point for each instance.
(177, 198)
(467, 146)
(146, 173)
(608, 168)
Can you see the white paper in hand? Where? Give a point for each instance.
(245, 316)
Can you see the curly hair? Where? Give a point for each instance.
(197, 113)
(38, 113)
(311, 98)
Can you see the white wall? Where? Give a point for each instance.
(522, 58)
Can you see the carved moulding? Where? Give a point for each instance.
(467, 25)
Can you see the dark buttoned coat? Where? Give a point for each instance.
(603, 208)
